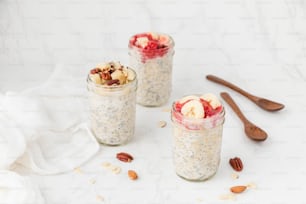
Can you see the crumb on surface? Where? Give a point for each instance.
(162, 124)
(167, 110)
(229, 196)
(78, 170)
(235, 176)
(99, 198)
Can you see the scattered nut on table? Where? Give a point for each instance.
(125, 157)
(236, 163)
(238, 189)
(132, 174)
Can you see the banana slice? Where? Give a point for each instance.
(95, 78)
(193, 109)
(118, 74)
(142, 41)
(163, 39)
(130, 75)
(212, 100)
(103, 66)
(155, 36)
(117, 65)
(187, 98)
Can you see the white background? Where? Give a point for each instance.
(257, 44)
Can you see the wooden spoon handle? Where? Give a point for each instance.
(230, 85)
(234, 106)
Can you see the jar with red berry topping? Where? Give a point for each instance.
(112, 102)
(197, 136)
(151, 55)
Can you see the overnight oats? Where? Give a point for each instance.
(112, 98)
(197, 136)
(151, 56)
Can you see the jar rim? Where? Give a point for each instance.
(112, 87)
(197, 123)
(208, 119)
(170, 45)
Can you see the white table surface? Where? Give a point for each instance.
(257, 44)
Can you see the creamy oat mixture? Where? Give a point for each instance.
(112, 98)
(151, 55)
(197, 136)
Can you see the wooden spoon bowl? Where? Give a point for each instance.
(251, 130)
(261, 102)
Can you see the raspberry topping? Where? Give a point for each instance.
(151, 45)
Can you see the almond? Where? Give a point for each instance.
(132, 175)
(238, 189)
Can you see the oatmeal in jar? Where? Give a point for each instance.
(151, 55)
(197, 136)
(112, 98)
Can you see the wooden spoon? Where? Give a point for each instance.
(251, 130)
(261, 102)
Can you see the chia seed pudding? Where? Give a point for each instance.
(112, 98)
(197, 136)
(151, 56)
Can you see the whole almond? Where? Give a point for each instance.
(132, 175)
(236, 163)
(125, 157)
(238, 189)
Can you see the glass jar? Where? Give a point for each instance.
(154, 71)
(196, 145)
(112, 111)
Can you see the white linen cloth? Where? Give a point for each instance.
(16, 189)
(45, 128)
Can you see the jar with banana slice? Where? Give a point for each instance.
(151, 54)
(197, 136)
(112, 99)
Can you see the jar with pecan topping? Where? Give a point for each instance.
(112, 98)
(151, 56)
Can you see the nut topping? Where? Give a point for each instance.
(114, 81)
(94, 71)
(105, 76)
(112, 73)
(125, 157)
(132, 175)
(238, 189)
(236, 163)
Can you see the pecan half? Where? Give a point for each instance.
(114, 81)
(125, 157)
(105, 75)
(132, 175)
(236, 163)
(95, 71)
